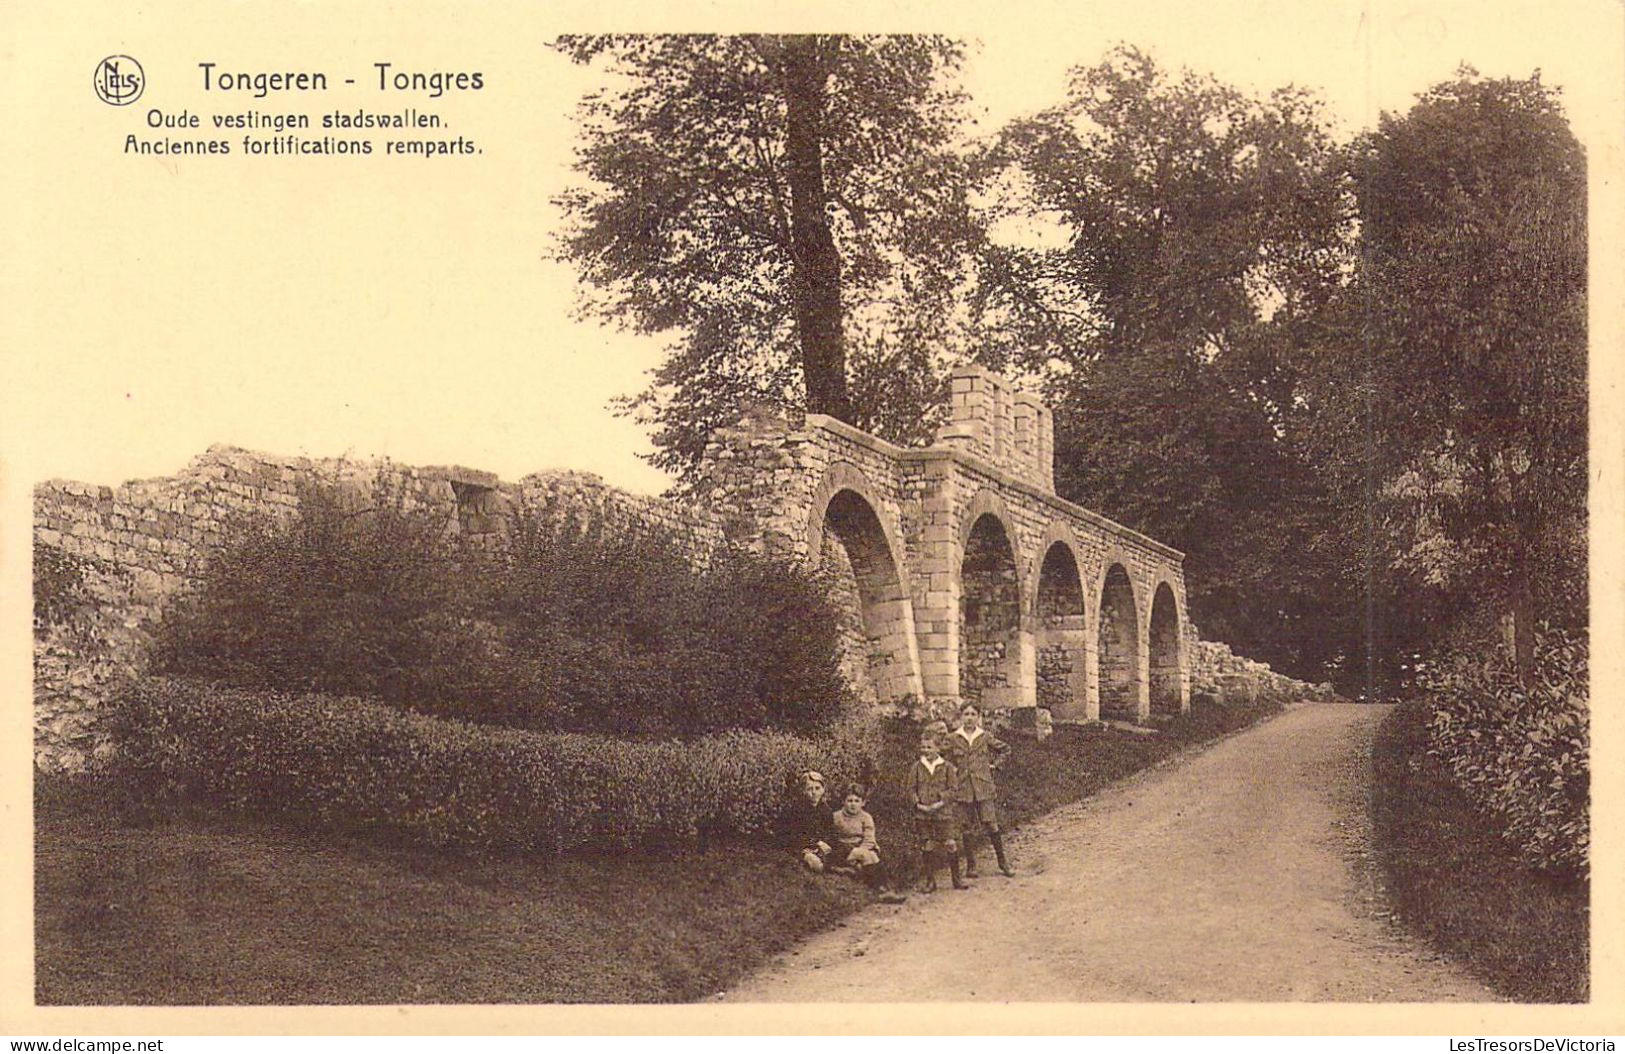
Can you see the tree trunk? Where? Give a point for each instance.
(1523, 622)
(816, 281)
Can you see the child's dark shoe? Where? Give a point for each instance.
(961, 885)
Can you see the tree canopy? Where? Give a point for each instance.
(1192, 230)
(1451, 388)
(1188, 210)
(789, 209)
(1347, 380)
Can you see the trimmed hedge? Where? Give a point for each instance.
(351, 764)
(1521, 752)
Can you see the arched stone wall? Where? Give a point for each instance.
(849, 541)
(1063, 666)
(1118, 646)
(991, 623)
(892, 523)
(1168, 692)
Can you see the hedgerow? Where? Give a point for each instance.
(1520, 750)
(350, 764)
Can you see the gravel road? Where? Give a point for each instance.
(1239, 872)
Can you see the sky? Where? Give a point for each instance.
(410, 309)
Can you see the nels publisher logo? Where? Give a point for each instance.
(119, 80)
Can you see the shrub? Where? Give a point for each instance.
(583, 626)
(635, 639)
(349, 764)
(1520, 751)
(336, 598)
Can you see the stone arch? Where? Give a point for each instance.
(992, 616)
(852, 545)
(1060, 627)
(1117, 643)
(1166, 651)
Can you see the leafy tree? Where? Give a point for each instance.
(1453, 388)
(1193, 233)
(1189, 212)
(785, 206)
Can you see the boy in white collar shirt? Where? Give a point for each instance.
(976, 753)
(931, 783)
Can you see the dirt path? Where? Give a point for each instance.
(1239, 873)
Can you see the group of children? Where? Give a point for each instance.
(951, 788)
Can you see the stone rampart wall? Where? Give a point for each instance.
(1220, 674)
(133, 547)
(770, 483)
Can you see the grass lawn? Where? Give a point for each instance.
(214, 910)
(1456, 883)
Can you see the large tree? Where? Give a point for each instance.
(1451, 391)
(789, 208)
(1164, 239)
(1181, 212)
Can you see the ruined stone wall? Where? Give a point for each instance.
(897, 553)
(1217, 673)
(698, 531)
(133, 547)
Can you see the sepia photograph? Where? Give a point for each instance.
(1083, 505)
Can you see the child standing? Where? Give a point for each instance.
(931, 783)
(976, 754)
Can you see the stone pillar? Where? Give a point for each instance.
(1026, 666)
(1024, 417)
(1045, 475)
(1142, 680)
(1091, 676)
(1004, 455)
(1035, 442)
(935, 581)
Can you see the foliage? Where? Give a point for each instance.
(347, 764)
(582, 626)
(341, 597)
(1194, 230)
(788, 209)
(1190, 213)
(1451, 877)
(1171, 450)
(353, 765)
(1471, 289)
(631, 640)
(1519, 747)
